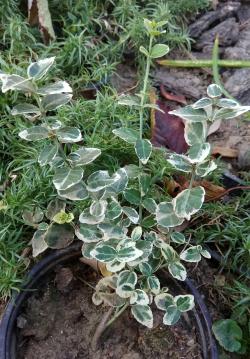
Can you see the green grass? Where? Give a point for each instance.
(92, 37)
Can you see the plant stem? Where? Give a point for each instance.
(203, 63)
(192, 179)
(141, 112)
(116, 315)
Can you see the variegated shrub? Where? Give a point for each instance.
(112, 224)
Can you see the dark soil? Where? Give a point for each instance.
(61, 323)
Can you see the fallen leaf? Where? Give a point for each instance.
(166, 130)
(214, 127)
(39, 14)
(103, 269)
(172, 97)
(224, 152)
(212, 191)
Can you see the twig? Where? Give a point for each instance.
(227, 191)
(100, 329)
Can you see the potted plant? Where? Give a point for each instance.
(112, 226)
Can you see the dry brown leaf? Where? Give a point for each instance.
(103, 269)
(225, 152)
(169, 96)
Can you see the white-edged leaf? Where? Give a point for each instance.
(203, 169)
(100, 180)
(166, 216)
(150, 205)
(127, 278)
(129, 253)
(131, 213)
(84, 156)
(143, 51)
(195, 132)
(47, 155)
(199, 152)
(132, 171)
(192, 254)
(178, 237)
(38, 69)
(185, 302)
(57, 87)
(205, 254)
(54, 101)
(34, 133)
(133, 196)
(153, 284)
(127, 134)
(227, 113)
(115, 266)
(136, 233)
(227, 103)
(88, 234)
(177, 270)
(16, 82)
(139, 297)
(87, 218)
(38, 243)
(98, 208)
(180, 162)
(69, 134)
(172, 315)
(26, 109)
(77, 192)
(214, 91)
(113, 231)
(188, 202)
(159, 50)
(163, 300)
(143, 149)
(104, 253)
(143, 314)
(202, 103)
(114, 210)
(190, 114)
(66, 177)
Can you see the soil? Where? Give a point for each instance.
(61, 323)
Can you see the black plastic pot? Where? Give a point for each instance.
(8, 324)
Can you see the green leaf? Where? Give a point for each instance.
(86, 250)
(228, 333)
(57, 87)
(172, 315)
(131, 213)
(143, 149)
(159, 50)
(54, 207)
(177, 270)
(133, 196)
(143, 314)
(98, 208)
(190, 114)
(113, 231)
(166, 217)
(205, 253)
(100, 180)
(38, 69)
(47, 155)
(199, 152)
(145, 269)
(202, 103)
(88, 234)
(139, 297)
(168, 252)
(63, 217)
(77, 192)
(115, 266)
(34, 133)
(192, 254)
(129, 253)
(84, 156)
(136, 233)
(15, 82)
(54, 101)
(178, 237)
(104, 253)
(188, 202)
(214, 91)
(180, 162)
(195, 132)
(153, 284)
(32, 216)
(38, 243)
(203, 169)
(120, 179)
(145, 183)
(66, 177)
(132, 171)
(69, 135)
(59, 235)
(185, 302)
(127, 134)
(25, 109)
(150, 205)
(164, 300)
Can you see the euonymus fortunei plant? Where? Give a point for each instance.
(112, 224)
